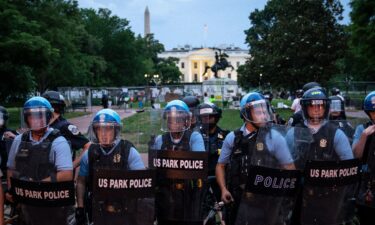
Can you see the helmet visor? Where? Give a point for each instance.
(258, 112)
(176, 121)
(1, 119)
(105, 133)
(316, 110)
(36, 118)
(336, 106)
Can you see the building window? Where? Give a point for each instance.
(195, 77)
(238, 64)
(195, 65)
(229, 75)
(182, 65)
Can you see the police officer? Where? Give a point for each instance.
(336, 92)
(364, 148)
(297, 117)
(296, 106)
(192, 102)
(108, 151)
(68, 130)
(275, 116)
(329, 144)
(337, 116)
(42, 147)
(176, 125)
(6, 136)
(241, 144)
(175, 197)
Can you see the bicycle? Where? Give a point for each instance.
(215, 213)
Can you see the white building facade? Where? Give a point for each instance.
(193, 62)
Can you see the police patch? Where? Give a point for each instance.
(116, 158)
(323, 143)
(260, 146)
(73, 129)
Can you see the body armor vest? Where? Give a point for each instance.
(117, 159)
(183, 145)
(33, 161)
(213, 144)
(322, 148)
(346, 128)
(179, 200)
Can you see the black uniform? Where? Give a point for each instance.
(4, 149)
(366, 198)
(71, 133)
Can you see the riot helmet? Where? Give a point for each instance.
(336, 108)
(335, 91)
(56, 99)
(299, 93)
(209, 115)
(268, 96)
(105, 128)
(37, 113)
(315, 105)
(4, 116)
(369, 104)
(176, 117)
(310, 85)
(192, 102)
(255, 109)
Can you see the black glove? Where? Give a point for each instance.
(80, 216)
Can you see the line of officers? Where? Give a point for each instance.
(43, 153)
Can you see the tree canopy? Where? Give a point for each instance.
(293, 42)
(49, 44)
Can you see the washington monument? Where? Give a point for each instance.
(147, 22)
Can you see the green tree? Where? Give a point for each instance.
(293, 42)
(168, 71)
(361, 58)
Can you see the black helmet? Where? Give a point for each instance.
(191, 101)
(310, 85)
(315, 96)
(299, 93)
(335, 91)
(268, 95)
(56, 99)
(4, 116)
(209, 109)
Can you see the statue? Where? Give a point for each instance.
(221, 63)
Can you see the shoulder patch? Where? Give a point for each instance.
(73, 129)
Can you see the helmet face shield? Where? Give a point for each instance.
(36, 118)
(257, 112)
(105, 133)
(336, 106)
(2, 121)
(316, 110)
(176, 121)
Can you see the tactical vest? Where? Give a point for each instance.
(117, 159)
(178, 200)
(33, 160)
(346, 128)
(213, 144)
(322, 148)
(60, 123)
(369, 150)
(183, 145)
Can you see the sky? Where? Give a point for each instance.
(199, 23)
